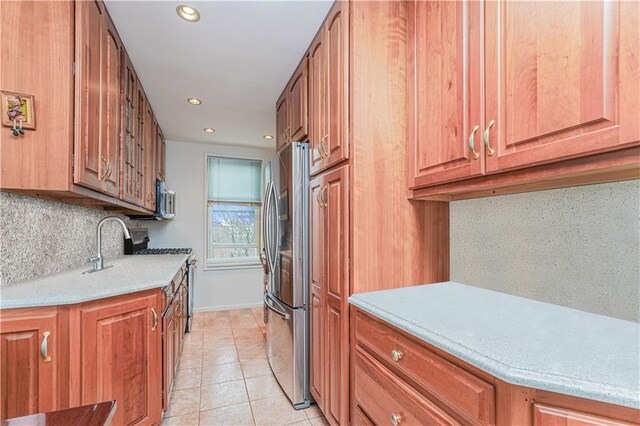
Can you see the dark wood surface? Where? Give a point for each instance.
(87, 415)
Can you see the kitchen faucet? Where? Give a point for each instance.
(98, 262)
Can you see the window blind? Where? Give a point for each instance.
(234, 180)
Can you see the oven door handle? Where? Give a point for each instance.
(279, 310)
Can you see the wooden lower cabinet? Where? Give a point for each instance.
(121, 357)
(28, 361)
(400, 379)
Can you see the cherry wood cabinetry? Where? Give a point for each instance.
(292, 108)
(400, 378)
(85, 149)
(29, 357)
(121, 357)
(97, 108)
(559, 84)
(282, 121)
(149, 134)
(359, 210)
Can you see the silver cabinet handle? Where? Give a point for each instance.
(472, 142)
(487, 143)
(395, 419)
(396, 355)
(44, 346)
(155, 319)
(323, 193)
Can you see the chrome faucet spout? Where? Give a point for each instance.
(98, 260)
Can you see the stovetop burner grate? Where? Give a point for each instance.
(164, 251)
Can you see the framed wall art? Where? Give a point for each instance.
(18, 109)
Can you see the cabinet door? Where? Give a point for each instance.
(335, 196)
(337, 42)
(167, 358)
(297, 92)
(561, 81)
(282, 121)
(160, 154)
(129, 183)
(28, 381)
(444, 91)
(317, 313)
(121, 357)
(90, 30)
(149, 158)
(111, 103)
(317, 103)
(141, 148)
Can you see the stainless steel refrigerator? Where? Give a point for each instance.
(286, 247)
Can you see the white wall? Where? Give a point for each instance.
(185, 170)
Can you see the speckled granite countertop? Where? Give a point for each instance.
(128, 275)
(521, 341)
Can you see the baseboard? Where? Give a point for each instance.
(228, 307)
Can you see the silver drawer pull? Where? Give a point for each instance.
(396, 355)
(395, 419)
(44, 346)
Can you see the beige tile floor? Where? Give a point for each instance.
(224, 378)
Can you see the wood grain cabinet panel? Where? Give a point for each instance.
(149, 131)
(298, 94)
(553, 416)
(28, 381)
(336, 38)
(130, 177)
(317, 103)
(282, 120)
(444, 91)
(560, 81)
(317, 304)
(121, 357)
(385, 399)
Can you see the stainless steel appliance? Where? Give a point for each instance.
(165, 204)
(138, 244)
(286, 247)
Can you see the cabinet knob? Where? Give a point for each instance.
(396, 355)
(395, 419)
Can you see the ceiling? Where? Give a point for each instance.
(236, 59)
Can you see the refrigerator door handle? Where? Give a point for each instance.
(272, 257)
(265, 223)
(279, 311)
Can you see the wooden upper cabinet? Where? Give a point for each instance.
(28, 362)
(121, 357)
(298, 103)
(282, 121)
(149, 157)
(444, 91)
(336, 39)
(160, 154)
(562, 80)
(317, 102)
(130, 139)
(97, 114)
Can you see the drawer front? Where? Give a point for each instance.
(545, 415)
(360, 418)
(468, 395)
(381, 396)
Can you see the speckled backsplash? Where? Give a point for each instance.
(577, 247)
(40, 237)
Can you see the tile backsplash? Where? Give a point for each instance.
(40, 237)
(577, 247)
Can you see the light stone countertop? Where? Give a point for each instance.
(129, 274)
(521, 341)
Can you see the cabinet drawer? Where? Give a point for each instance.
(468, 395)
(381, 397)
(547, 415)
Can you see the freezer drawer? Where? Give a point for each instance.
(288, 349)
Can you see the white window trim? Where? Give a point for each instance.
(222, 265)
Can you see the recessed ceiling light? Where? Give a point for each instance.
(188, 13)
(209, 130)
(194, 101)
(268, 137)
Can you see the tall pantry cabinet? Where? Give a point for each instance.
(365, 234)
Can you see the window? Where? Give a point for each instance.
(234, 188)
